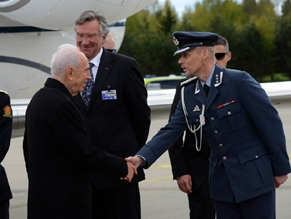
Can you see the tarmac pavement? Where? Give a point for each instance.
(160, 196)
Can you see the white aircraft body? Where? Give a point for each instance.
(160, 102)
(31, 30)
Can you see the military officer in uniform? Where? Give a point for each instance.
(5, 136)
(189, 166)
(248, 157)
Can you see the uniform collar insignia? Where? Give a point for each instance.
(218, 78)
(7, 112)
(196, 109)
(197, 89)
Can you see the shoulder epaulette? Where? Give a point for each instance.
(3, 92)
(188, 81)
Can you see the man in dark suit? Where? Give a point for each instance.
(117, 116)
(57, 150)
(190, 167)
(5, 136)
(243, 129)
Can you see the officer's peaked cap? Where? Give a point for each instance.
(186, 41)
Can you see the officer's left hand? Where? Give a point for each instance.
(279, 180)
(185, 183)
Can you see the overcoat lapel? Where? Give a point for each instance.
(78, 99)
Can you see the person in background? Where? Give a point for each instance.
(191, 167)
(5, 137)
(109, 44)
(248, 152)
(116, 114)
(57, 150)
(221, 52)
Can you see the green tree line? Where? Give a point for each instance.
(259, 38)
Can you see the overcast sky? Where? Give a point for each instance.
(180, 4)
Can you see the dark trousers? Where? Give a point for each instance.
(200, 203)
(4, 209)
(117, 203)
(261, 207)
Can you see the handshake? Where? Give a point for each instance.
(132, 164)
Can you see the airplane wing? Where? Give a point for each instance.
(160, 102)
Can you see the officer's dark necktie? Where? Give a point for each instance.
(206, 89)
(86, 93)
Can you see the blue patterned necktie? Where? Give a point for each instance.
(86, 93)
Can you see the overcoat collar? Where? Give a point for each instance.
(54, 83)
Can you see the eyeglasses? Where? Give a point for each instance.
(220, 55)
(80, 36)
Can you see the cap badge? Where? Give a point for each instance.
(176, 42)
(7, 111)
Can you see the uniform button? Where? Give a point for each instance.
(224, 158)
(256, 156)
(215, 132)
(197, 120)
(228, 113)
(212, 119)
(220, 145)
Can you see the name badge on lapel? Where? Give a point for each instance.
(109, 95)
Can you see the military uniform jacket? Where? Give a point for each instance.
(5, 136)
(184, 157)
(59, 157)
(243, 129)
(118, 126)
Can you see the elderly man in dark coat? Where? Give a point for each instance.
(5, 136)
(57, 149)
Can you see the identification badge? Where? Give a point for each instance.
(109, 95)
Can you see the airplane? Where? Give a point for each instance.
(31, 31)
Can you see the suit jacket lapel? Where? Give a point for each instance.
(103, 73)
